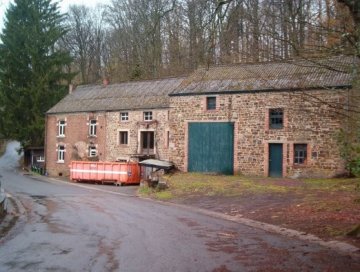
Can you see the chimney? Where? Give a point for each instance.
(71, 88)
(105, 81)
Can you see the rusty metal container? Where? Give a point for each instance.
(105, 172)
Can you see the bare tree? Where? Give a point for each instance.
(85, 40)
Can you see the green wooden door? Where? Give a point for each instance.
(211, 147)
(275, 160)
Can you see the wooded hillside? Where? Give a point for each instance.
(142, 39)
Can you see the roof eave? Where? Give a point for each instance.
(263, 90)
(112, 110)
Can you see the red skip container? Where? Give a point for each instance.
(115, 172)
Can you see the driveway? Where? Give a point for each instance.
(63, 227)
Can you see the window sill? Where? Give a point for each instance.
(60, 162)
(60, 136)
(92, 136)
(302, 165)
(273, 128)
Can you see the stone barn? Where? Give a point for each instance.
(277, 119)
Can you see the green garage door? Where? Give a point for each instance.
(211, 147)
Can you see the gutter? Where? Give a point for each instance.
(114, 110)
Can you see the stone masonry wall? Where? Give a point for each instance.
(134, 126)
(306, 121)
(76, 140)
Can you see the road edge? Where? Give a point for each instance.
(338, 246)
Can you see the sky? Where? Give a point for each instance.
(64, 4)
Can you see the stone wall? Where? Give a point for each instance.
(134, 126)
(308, 119)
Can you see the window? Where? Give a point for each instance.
(61, 128)
(276, 118)
(167, 142)
(40, 159)
(211, 103)
(92, 128)
(61, 153)
(147, 115)
(300, 153)
(92, 151)
(124, 116)
(123, 137)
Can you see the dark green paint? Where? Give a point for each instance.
(211, 147)
(275, 160)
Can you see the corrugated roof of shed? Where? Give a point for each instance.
(121, 96)
(295, 74)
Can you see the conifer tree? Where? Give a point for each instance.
(32, 74)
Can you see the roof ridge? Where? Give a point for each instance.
(131, 81)
(280, 61)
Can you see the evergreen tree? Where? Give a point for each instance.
(32, 77)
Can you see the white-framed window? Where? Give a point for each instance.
(124, 116)
(61, 153)
(147, 115)
(40, 159)
(92, 151)
(92, 127)
(61, 128)
(276, 118)
(300, 153)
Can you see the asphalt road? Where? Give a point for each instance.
(68, 228)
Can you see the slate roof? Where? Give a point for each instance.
(122, 96)
(269, 76)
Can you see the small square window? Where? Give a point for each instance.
(147, 115)
(92, 128)
(276, 118)
(61, 128)
(123, 137)
(211, 103)
(92, 151)
(300, 153)
(124, 116)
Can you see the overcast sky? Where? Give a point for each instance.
(64, 4)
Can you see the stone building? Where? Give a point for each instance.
(265, 119)
(113, 122)
(270, 119)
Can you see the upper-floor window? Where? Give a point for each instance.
(61, 153)
(92, 151)
(92, 127)
(300, 153)
(211, 103)
(147, 115)
(124, 116)
(123, 137)
(61, 128)
(276, 118)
